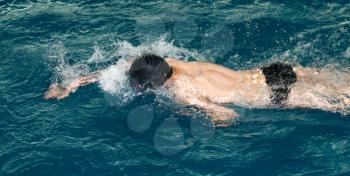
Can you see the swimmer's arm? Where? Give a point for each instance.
(219, 114)
(59, 91)
(83, 80)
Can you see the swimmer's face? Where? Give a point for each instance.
(148, 71)
(139, 84)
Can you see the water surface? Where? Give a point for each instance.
(106, 129)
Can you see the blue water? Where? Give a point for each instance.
(104, 129)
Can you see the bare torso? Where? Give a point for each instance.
(208, 86)
(217, 84)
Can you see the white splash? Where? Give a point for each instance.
(97, 56)
(114, 78)
(63, 72)
(68, 73)
(114, 82)
(347, 53)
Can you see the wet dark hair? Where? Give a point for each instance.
(149, 71)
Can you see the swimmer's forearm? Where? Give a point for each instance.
(219, 114)
(83, 80)
(58, 91)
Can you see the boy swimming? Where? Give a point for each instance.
(209, 86)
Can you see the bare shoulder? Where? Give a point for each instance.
(186, 67)
(302, 71)
(170, 60)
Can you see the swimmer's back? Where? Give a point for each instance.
(220, 84)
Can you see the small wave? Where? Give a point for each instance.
(15, 11)
(288, 12)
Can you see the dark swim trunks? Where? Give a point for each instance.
(279, 77)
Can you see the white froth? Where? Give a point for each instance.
(347, 53)
(114, 78)
(97, 56)
(69, 73)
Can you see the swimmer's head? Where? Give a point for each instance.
(149, 71)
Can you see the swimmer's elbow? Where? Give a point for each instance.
(223, 117)
(219, 114)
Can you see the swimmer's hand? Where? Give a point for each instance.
(221, 116)
(56, 91)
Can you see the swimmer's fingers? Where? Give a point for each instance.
(223, 118)
(220, 123)
(218, 113)
(50, 93)
(56, 90)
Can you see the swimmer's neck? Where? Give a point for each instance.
(175, 66)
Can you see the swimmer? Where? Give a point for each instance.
(210, 87)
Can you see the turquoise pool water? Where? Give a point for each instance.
(105, 129)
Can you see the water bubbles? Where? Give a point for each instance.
(68, 73)
(114, 78)
(115, 84)
(97, 56)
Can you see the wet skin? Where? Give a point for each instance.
(209, 86)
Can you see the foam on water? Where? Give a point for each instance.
(347, 53)
(114, 81)
(97, 56)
